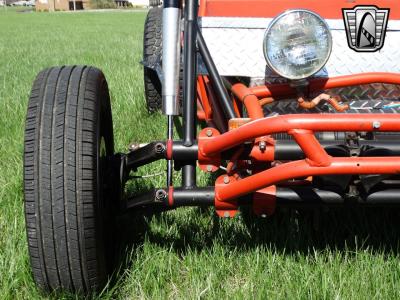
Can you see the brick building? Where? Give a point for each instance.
(57, 5)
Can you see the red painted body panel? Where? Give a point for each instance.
(271, 8)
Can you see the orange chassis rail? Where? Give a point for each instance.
(302, 128)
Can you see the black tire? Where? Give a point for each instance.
(68, 136)
(152, 52)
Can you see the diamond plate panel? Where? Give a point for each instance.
(283, 107)
(236, 47)
(368, 98)
(376, 91)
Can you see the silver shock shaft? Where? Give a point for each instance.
(171, 57)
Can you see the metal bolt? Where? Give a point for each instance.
(160, 148)
(262, 145)
(209, 168)
(209, 132)
(226, 214)
(161, 195)
(226, 179)
(133, 146)
(376, 124)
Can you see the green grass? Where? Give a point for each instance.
(188, 253)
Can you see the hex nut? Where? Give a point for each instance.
(262, 145)
(161, 195)
(376, 124)
(159, 148)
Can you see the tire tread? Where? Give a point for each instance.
(60, 185)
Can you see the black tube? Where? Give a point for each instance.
(306, 196)
(393, 146)
(181, 152)
(189, 90)
(145, 199)
(285, 196)
(309, 196)
(157, 150)
(189, 73)
(201, 196)
(290, 150)
(145, 155)
(170, 163)
(172, 3)
(284, 150)
(293, 197)
(189, 175)
(387, 197)
(215, 78)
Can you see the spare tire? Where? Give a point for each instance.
(152, 54)
(152, 51)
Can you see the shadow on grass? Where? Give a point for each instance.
(289, 231)
(376, 229)
(346, 228)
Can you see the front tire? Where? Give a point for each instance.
(68, 137)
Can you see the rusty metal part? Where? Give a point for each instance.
(333, 101)
(266, 100)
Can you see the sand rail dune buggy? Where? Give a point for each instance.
(290, 116)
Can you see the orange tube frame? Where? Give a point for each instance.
(302, 168)
(302, 128)
(286, 123)
(318, 84)
(317, 161)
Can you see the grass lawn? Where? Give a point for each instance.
(188, 253)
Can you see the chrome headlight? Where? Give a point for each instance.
(297, 44)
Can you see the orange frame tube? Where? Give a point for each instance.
(249, 100)
(301, 168)
(318, 84)
(317, 161)
(286, 123)
(302, 128)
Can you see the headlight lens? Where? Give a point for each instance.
(297, 44)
